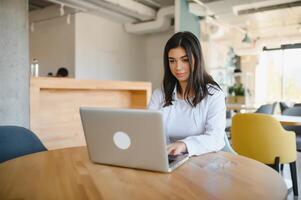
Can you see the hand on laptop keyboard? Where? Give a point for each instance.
(172, 158)
(176, 148)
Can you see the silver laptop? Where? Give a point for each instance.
(129, 138)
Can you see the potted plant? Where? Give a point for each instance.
(236, 94)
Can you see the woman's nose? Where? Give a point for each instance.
(179, 66)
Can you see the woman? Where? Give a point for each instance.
(192, 103)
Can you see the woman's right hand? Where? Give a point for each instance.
(176, 148)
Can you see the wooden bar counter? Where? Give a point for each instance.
(55, 103)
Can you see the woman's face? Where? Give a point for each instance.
(179, 64)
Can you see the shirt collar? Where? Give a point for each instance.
(174, 93)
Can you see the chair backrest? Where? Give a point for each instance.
(297, 104)
(283, 106)
(18, 141)
(267, 108)
(227, 147)
(261, 137)
(293, 111)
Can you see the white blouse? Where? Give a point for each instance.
(201, 128)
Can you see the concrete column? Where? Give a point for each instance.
(14, 63)
(184, 20)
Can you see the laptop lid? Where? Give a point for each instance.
(125, 137)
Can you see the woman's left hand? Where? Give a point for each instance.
(176, 148)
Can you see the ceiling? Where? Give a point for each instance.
(38, 4)
(260, 18)
(159, 3)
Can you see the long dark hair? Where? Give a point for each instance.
(199, 81)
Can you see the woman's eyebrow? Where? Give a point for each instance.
(180, 57)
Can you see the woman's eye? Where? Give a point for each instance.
(171, 61)
(185, 60)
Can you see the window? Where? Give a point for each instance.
(278, 76)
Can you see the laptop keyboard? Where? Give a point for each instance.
(173, 158)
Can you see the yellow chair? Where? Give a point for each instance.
(261, 137)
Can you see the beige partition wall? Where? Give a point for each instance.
(55, 103)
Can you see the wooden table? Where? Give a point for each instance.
(288, 120)
(239, 107)
(283, 119)
(68, 174)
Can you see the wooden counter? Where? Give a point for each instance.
(55, 102)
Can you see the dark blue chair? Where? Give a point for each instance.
(297, 105)
(283, 106)
(18, 141)
(267, 109)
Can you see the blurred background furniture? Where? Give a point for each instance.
(283, 106)
(261, 137)
(240, 107)
(294, 111)
(297, 104)
(18, 141)
(227, 147)
(55, 103)
(267, 108)
(264, 109)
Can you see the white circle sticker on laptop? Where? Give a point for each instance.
(122, 140)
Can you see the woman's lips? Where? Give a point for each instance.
(180, 74)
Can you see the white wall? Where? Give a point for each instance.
(52, 41)
(103, 50)
(93, 47)
(154, 48)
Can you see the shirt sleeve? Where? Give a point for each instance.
(156, 100)
(213, 137)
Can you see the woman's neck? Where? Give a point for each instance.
(183, 89)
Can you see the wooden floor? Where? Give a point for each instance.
(286, 174)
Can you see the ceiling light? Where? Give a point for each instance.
(32, 27)
(62, 11)
(247, 39)
(68, 18)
